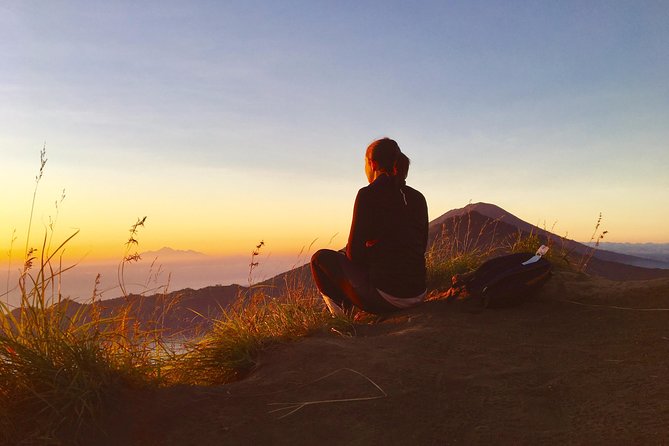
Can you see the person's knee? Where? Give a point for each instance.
(316, 256)
(322, 256)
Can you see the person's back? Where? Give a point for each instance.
(389, 235)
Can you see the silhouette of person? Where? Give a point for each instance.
(383, 268)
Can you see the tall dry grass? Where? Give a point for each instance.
(59, 360)
(228, 351)
(459, 249)
(595, 240)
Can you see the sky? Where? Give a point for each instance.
(227, 123)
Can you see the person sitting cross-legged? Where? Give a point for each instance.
(383, 268)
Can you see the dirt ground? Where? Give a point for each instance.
(565, 368)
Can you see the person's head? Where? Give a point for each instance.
(381, 157)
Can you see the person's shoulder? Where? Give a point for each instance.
(365, 190)
(377, 186)
(364, 193)
(414, 192)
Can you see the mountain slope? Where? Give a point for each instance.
(506, 223)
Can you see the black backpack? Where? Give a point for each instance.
(504, 281)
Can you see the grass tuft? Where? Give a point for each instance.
(458, 250)
(228, 351)
(60, 360)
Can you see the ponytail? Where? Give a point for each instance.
(401, 169)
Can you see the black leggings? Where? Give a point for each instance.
(346, 283)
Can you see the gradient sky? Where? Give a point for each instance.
(230, 122)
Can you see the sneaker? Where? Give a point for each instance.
(335, 309)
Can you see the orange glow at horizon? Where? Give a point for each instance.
(198, 209)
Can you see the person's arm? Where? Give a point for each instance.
(356, 250)
(426, 227)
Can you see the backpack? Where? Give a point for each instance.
(504, 281)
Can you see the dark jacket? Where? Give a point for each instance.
(389, 236)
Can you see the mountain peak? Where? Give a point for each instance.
(486, 209)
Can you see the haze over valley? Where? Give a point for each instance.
(160, 271)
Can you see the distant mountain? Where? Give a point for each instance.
(654, 251)
(485, 225)
(171, 254)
